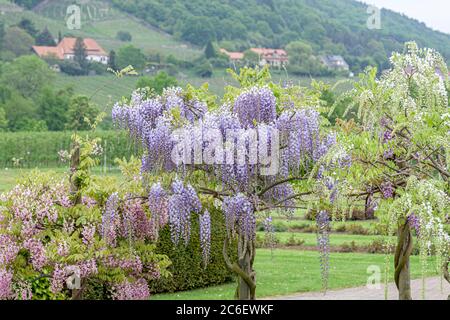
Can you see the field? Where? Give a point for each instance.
(105, 90)
(283, 272)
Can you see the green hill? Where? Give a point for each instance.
(330, 26)
(102, 22)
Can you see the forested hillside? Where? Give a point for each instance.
(330, 26)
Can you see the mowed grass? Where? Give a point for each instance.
(336, 239)
(284, 272)
(10, 177)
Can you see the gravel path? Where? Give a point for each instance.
(433, 292)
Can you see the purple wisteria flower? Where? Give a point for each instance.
(414, 223)
(323, 243)
(239, 216)
(387, 189)
(205, 235)
(257, 105)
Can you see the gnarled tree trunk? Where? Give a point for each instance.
(246, 289)
(74, 185)
(446, 273)
(402, 256)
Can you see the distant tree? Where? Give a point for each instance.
(198, 30)
(158, 83)
(124, 36)
(18, 41)
(60, 37)
(302, 60)
(27, 75)
(96, 68)
(21, 113)
(204, 70)
(71, 68)
(45, 38)
(27, 3)
(112, 60)
(80, 55)
(251, 58)
(130, 55)
(53, 107)
(3, 120)
(210, 51)
(80, 109)
(2, 34)
(28, 26)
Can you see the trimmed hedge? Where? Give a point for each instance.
(188, 271)
(40, 149)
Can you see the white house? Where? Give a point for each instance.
(66, 48)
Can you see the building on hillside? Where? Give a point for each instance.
(65, 50)
(233, 56)
(335, 62)
(273, 57)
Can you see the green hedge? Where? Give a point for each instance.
(40, 149)
(187, 268)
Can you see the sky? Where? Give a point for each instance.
(435, 13)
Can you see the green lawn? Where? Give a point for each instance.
(9, 177)
(336, 239)
(284, 272)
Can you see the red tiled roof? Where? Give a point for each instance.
(49, 51)
(233, 55)
(268, 53)
(67, 45)
(92, 47)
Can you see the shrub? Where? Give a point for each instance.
(187, 268)
(71, 68)
(124, 36)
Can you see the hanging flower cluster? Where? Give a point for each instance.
(205, 235)
(323, 243)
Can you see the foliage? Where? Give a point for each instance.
(188, 269)
(27, 3)
(81, 111)
(45, 38)
(53, 108)
(330, 26)
(210, 51)
(28, 26)
(71, 68)
(17, 41)
(130, 55)
(204, 69)
(80, 54)
(302, 60)
(124, 36)
(400, 146)
(26, 74)
(157, 83)
(3, 120)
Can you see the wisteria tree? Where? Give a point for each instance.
(262, 150)
(400, 147)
